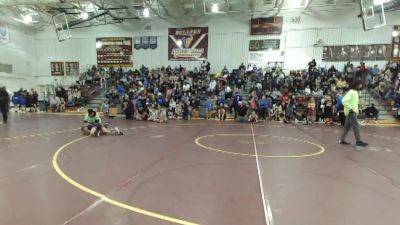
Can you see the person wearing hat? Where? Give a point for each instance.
(4, 103)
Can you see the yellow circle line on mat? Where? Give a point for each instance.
(104, 197)
(321, 148)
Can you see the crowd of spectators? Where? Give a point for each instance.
(248, 93)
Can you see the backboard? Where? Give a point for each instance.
(372, 14)
(61, 26)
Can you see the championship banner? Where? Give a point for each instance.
(138, 42)
(188, 44)
(383, 52)
(344, 53)
(153, 42)
(4, 34)
(57, 68)
(396, 43)
(266, 44)
(114, 52)
(145, 42)
(72, 68)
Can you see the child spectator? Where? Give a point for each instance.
(221, 108)
(152, 114)
(106, 108)
(311, 110)
(62, 105)
(209, 108)
(253, 117)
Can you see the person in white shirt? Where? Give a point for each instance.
(54, 103)
(228, 92)
(186, 87)
(212, 85)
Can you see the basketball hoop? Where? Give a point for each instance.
(61, 27)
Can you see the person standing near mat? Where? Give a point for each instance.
(350, 103)
(4, 103)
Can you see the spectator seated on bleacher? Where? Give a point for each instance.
(54, 103)
(371, 112)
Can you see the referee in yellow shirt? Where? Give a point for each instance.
(350, 103)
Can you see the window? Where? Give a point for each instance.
(6, 68)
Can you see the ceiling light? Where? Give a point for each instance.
(84, 15)
(380, 2)
(27, 18)
(297, 3)
(99, 44)
(396, 33)
(146, 12)
(215, 8)
(179, 42)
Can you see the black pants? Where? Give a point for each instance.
(263, 113)
(342, 119)
(4, 111)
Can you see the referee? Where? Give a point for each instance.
(350, 103)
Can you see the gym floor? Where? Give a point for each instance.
(197, 172)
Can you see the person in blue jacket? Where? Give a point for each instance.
(265, 106)
(209, 108)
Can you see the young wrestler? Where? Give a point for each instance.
(94, 126)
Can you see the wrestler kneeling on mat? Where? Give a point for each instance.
(94, 127)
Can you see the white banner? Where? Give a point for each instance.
(4, 34)
(266, 56)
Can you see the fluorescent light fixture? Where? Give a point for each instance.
(27, 18)
(297, 3)
(146, 12)
(99, 44)
(179, 42)
(84, 15)
(395, 33)
(215, 8)
(379, 2)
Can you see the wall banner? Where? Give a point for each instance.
(145, 42)
(138, 42)
(346, 53)
(396, 43)
(153, 42)
(72, 68)
(266, 44)
(188, 44)
(114, 52)
(57, 68)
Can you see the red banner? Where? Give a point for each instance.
(188, 44)
(57, 68)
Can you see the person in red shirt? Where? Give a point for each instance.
(285, 97)
(362, 68)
